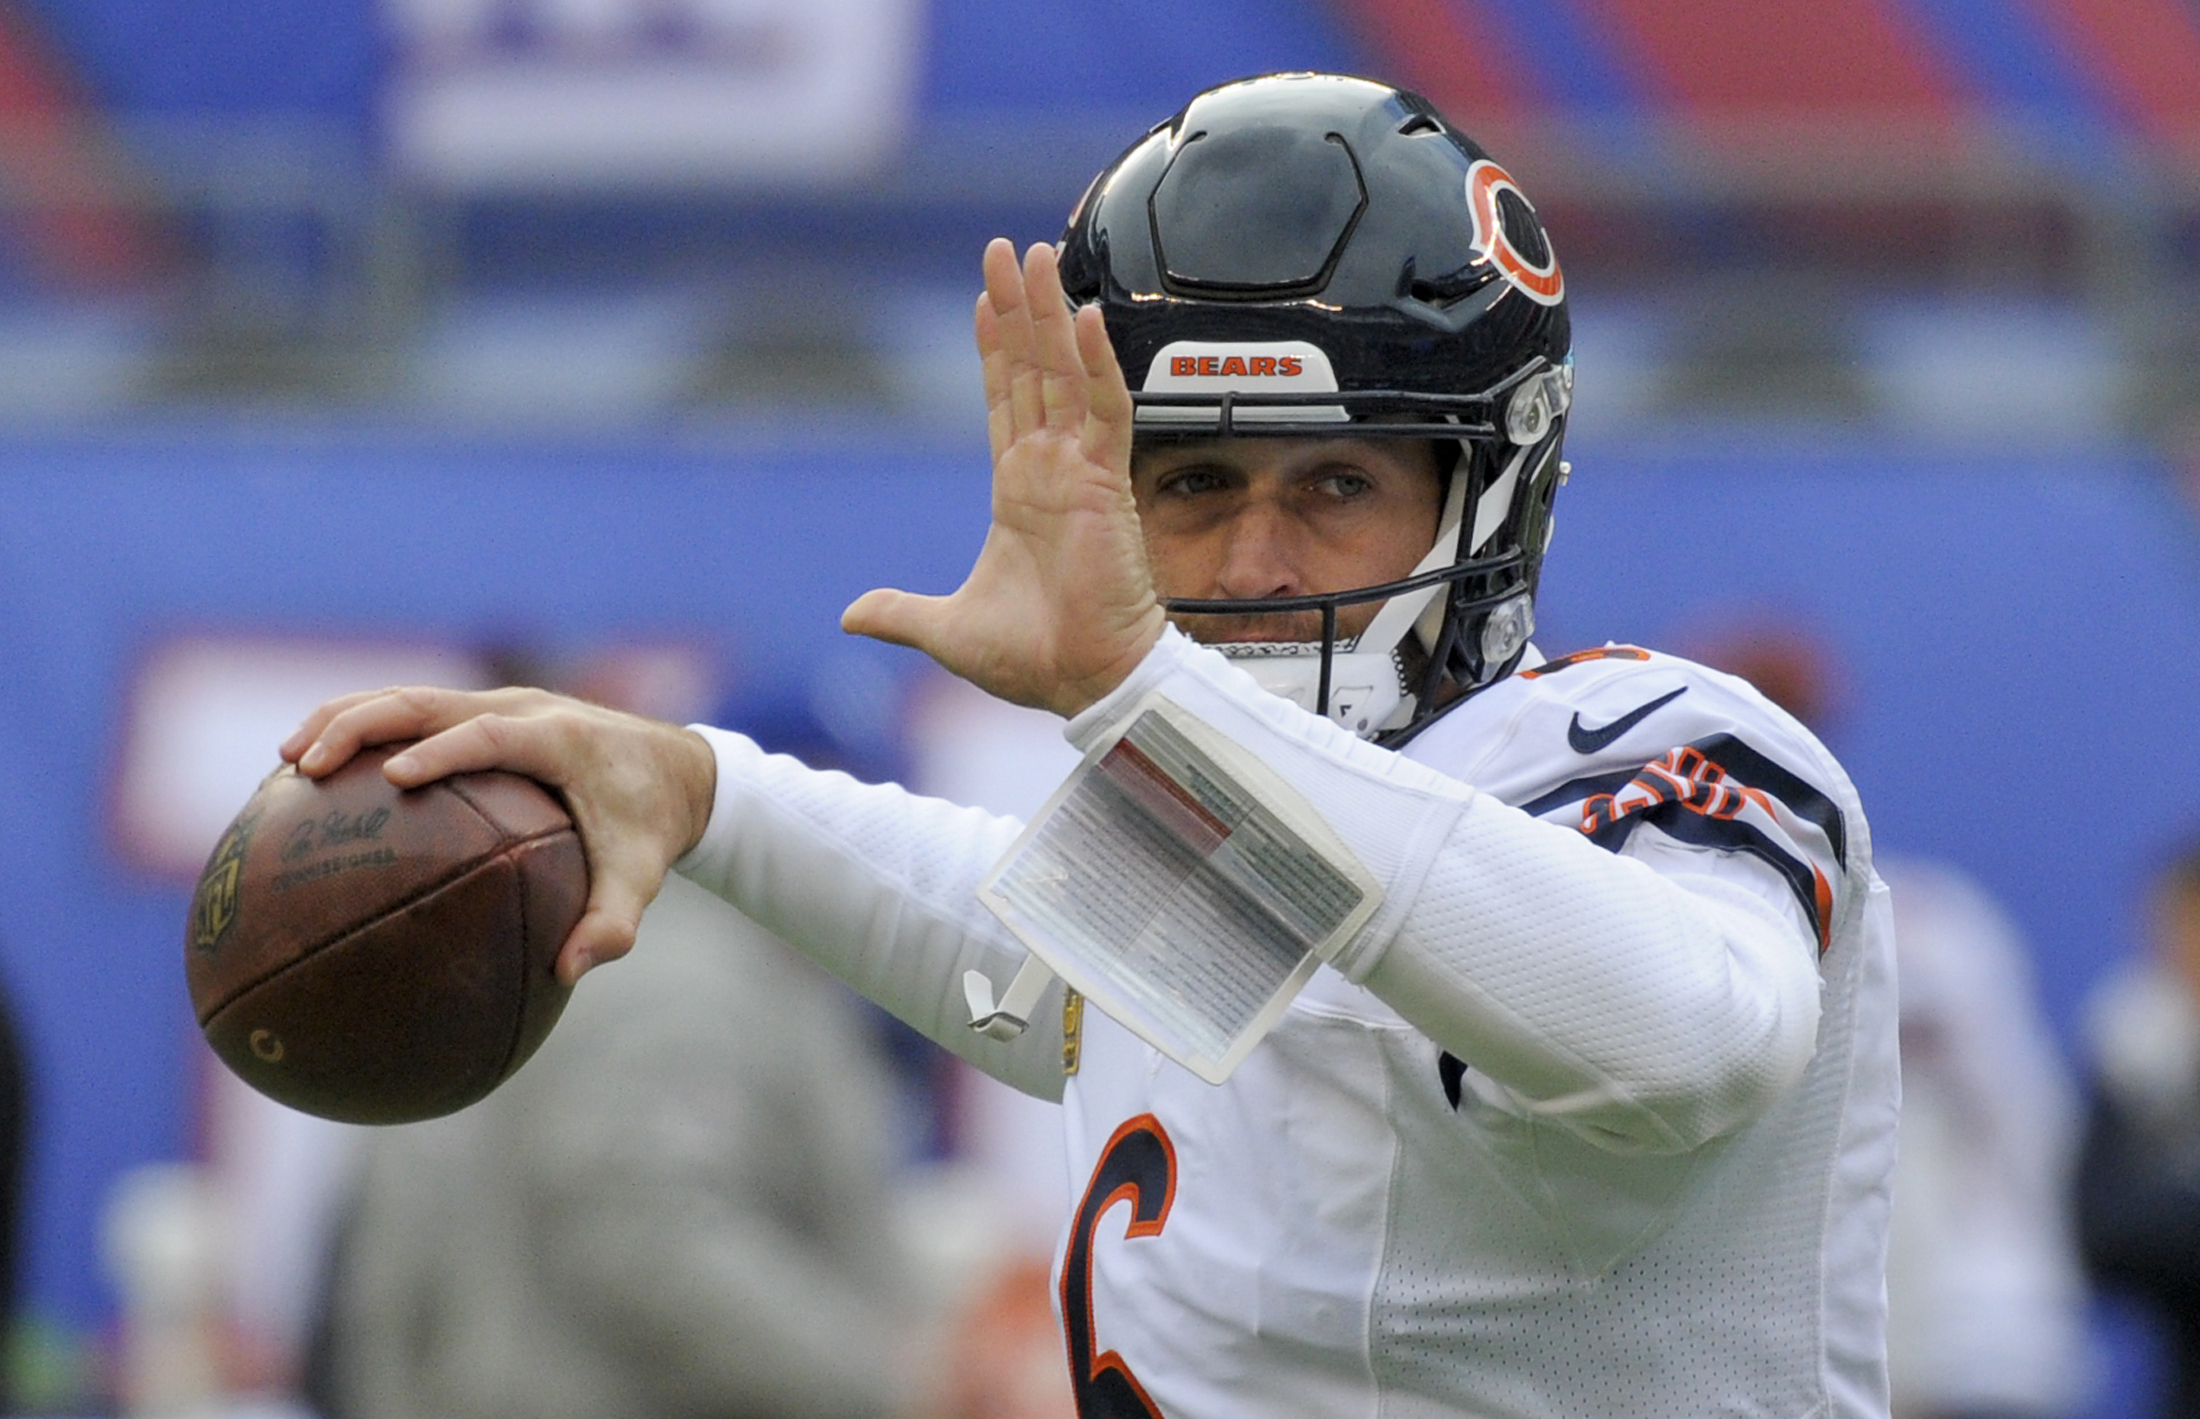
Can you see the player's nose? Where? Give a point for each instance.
(1259, 554)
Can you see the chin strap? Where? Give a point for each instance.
(1423, 610)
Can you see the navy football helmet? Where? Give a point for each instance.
(1299, 252)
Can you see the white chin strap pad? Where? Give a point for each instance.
(1364, 694)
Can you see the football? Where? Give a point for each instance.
(381, 956)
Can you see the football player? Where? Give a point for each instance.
(1551, 998)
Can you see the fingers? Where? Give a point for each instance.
(310, 728)
(341, 728)
(1035, 375)
(1054, 342)
(1109, 413)
(1018, 375)
(535, 746)
(1000, 430)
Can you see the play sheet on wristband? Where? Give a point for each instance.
(1183, 887)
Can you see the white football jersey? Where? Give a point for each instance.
(1359, 1224)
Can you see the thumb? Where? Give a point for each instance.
(622, 887)
(898, 617)
(602, 934)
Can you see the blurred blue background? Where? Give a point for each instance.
(1886, 317)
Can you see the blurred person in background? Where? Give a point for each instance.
(1985, 1296)
(681, 1208)
(2139, 1175)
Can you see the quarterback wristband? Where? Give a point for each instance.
(1181, 886)
(1215, 847)
(1393, 815)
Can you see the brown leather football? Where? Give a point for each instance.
(378, 956)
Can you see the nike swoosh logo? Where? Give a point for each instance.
(1596, 741)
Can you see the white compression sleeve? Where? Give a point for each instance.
(1643, 1009)
(879, 886)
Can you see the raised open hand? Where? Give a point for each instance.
(1060, 605)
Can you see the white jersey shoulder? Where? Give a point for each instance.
(1619, 739)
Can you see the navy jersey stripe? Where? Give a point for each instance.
(1743, 764)
(1746, 765)
(1574, 790)
(1681, 814)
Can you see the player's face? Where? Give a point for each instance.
(1231, 519)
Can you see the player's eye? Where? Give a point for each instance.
(1190, 482)
(1343, 485)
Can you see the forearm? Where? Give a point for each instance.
(1647, 1009)
(879, 886)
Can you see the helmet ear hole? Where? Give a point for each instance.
(1506, 630)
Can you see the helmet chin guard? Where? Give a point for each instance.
(1365, 692)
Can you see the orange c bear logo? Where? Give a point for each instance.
(1544, 284)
